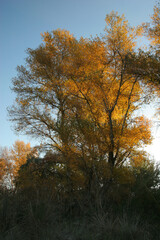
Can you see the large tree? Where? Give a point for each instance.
(80, 97)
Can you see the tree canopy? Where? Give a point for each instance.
(81, 96)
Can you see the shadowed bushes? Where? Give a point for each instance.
(128, 208)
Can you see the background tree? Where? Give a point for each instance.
(147, 63)
(18, 155)
(5, 167)
(12, 159)
(153, 29)
(153, 32)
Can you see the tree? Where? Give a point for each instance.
(45, 173)
(81, 96)
(153, 32)
(147, 64)
(12, 159)
(5, 167)
(18, 155)
(153, 29)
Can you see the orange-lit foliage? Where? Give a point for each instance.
(80, 96)
(154, 28)
(18, 154)
(4, 169)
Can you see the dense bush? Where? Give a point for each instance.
(128, 208)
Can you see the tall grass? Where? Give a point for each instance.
(41, 217)
(123, 211)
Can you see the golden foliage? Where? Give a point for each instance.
(80, 96)
(18, 154)
(154, 30)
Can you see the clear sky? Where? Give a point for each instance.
(22, 21)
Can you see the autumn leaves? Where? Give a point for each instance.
(81, 95)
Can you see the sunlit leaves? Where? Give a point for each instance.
(18, 154)
(154, 29)
(80, 96)
(121, 38)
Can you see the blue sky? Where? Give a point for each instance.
(22, 21)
